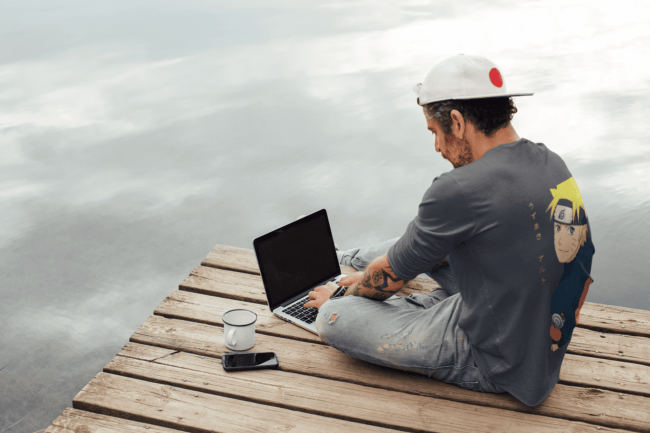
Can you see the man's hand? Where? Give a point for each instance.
(320, 295)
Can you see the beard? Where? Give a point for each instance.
(461, 150)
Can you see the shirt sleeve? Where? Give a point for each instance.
(444, 220)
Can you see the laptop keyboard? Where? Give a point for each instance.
(297, 310)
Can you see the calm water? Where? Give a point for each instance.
(137, 135)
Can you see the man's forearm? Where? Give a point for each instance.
(378, 282)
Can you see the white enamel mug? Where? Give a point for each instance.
(239, 329)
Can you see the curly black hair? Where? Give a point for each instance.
(488, 115)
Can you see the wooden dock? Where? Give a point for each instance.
(168, 377)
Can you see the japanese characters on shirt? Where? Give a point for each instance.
(538, 236)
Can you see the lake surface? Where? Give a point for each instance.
(135, 136)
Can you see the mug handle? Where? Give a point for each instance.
(230, 338)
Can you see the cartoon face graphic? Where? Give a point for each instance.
(569, 220)
(568, 240)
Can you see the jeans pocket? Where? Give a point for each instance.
(421, 300)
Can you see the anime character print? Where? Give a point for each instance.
(570, 233)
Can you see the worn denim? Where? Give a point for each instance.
(416, 333)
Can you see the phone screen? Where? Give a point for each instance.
(249, 359)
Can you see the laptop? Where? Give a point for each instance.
(295, 259)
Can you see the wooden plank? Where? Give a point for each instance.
(209, 309)
(232, 258)
(325, 361)
(606, 318)
(226, 284)
(598, 317)
(616, 347)
(195, 411)
(325, 397)
(615, 375)
(77, 421)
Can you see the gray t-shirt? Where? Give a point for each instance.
(515, 232)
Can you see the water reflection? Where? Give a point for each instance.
(136, 136)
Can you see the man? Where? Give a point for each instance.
(481, 233)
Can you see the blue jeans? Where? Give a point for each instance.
(417, 333)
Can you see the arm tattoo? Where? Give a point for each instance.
(378, 282)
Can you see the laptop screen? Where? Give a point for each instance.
(296, 257)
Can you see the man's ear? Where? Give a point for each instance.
(457, 124)
(583, 235)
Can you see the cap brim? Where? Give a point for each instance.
(501, 95)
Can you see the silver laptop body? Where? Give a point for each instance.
(293, 260)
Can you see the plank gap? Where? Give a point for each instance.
(229, 268)
(603, 389)
(236, 297)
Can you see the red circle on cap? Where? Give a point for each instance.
(495, 77)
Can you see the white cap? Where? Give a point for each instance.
(463, 77)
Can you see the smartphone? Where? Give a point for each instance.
(249, 361)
